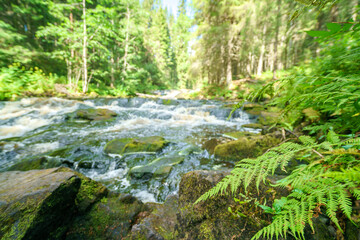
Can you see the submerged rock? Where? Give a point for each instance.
(97, 114)
(246, 147)
(158, 167)
(132, 145)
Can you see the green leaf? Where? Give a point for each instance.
(319, 33)
(333, 27)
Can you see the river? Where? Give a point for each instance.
(40, 128)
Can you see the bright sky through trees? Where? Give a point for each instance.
(171, 6)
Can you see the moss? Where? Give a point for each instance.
(39, 163)
(95, 114)
(237, 135)
(245, 147)
(106, 220)
(129, 145)
(253, 125)
(269, 118)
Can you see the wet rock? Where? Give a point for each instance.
(110, 218)
(237, 135)
(253, 125)
(190, 150)
(132, 145)
(269, 118)
(36, 204)
(248, 106)
(163, 171)
(159, 165)
(209, 145)
(160, 223)
(95, 114)
(37, 163)
(246, 147)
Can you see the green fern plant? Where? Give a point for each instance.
(328, 181)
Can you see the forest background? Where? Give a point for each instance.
(122, 47)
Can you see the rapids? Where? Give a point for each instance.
(38, 127)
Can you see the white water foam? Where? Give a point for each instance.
(145, 196)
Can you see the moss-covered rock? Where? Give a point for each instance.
(253, 125)
(36, 204)
(249, 106)
(159, 165)
(132, 145)
(160, 223)
(37, 163)
(237, 135)
(110, 218)
(211, 219)
(246, 147)
(269, 118)
(97, 114)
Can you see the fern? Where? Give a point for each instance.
(320, 183)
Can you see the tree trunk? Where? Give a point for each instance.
(126, 41)
(85, 77)
(275, 64)
(229, 63)
(262, 52)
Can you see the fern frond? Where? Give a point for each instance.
(351, 174)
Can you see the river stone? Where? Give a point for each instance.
(110, 218)
(133, 145)
(97, 114)
(269, 118)
(37, 163)
(253, 125)
(237, 135)
(36, 204)
(159, 164)
(248, 106)
(160, 223)
(246, 147)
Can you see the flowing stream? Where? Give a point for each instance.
(39, 128)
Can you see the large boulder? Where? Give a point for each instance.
(97, 114)
(159, 222)
(246, 147)
(212, 219)
(40, 204)
(110, 218)
(37, 203)
(133, 145)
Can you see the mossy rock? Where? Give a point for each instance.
(97, 114)
(249, 106)
(110, 218)
(190, 150)
(37, 204)
(159, 223)
(245, 147)
(237, 135)
(37, 163)
(133, 145)
(269, 118)
(253, 125)
(211, 219)
(159, 164)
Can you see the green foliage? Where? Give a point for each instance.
(16, 80)
(329, 181)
